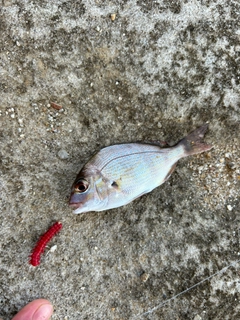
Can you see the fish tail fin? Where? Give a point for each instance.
(193, 143)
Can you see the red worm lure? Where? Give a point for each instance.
(42, 242)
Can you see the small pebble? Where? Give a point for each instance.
(113, 16)
(144, 277)
(62, 154)
(55, 106)
(53, 248)
(229, 207)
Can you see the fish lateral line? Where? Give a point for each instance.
(133, 154)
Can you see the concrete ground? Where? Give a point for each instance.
(122, 71)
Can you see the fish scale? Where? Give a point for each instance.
(140, 168)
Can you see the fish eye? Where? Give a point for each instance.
(81, 186)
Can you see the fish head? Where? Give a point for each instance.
(88, 192)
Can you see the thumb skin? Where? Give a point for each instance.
(40, 309)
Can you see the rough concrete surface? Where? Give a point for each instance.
(155, 70)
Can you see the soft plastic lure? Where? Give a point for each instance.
(42, 242)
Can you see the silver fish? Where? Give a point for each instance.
(118, 174)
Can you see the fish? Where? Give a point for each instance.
(118, 174)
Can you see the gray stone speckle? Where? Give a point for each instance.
(62, 154)
(156, 72)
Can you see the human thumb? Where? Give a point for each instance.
(39, 309)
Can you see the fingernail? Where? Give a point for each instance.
(43, 312)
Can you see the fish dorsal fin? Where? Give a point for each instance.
(159, 143)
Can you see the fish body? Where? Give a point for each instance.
(118, 174)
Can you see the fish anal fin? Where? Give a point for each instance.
(170, 172)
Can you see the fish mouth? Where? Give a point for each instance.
(74, 201)
(77, 206)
